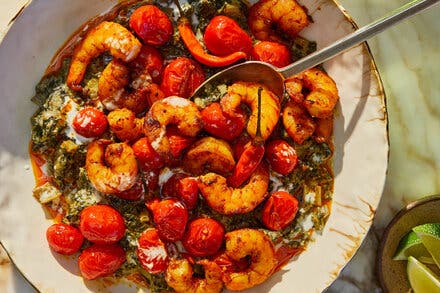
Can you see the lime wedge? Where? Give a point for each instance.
(429, 234)
(411, 245)
(422, 279)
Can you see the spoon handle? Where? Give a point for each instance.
(357, 37)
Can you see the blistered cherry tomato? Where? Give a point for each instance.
(223, 36)
(279, 210)
(152, 25)
(178, 142)
(151, 252)
(181, 78)
(90, 122)
(150, 58)
(217, 123)
(146, 155)
(170, 217)
(64, 239)
(101, 224)
(204, 237)
(281, 156)
(273, 53)
(182, 187)
(100, 260)
(134, 193)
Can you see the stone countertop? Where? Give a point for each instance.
(408, 59)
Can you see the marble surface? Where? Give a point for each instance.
(408, 59)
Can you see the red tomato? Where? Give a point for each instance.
(102, 224)
(152, 25)
(90, 122)
(146, 155)
(279, 210)
(182, 187)
(204, 237)
(273, 53)
(178, 142)
(281, 156)
(100, 260)
(64, 239)
(134, 193)
(151, 252)
(150, 58)
(181, 78)
(170, 217)
(223, 36)
(217, 123)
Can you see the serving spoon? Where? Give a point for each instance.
(273, 77)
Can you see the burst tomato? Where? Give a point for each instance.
(100, 260)
(273, 53)
(64, 239)
(217, 123)
(281, 156)
(204, 237)
(178, 142)
(152, 25)
(146, 155)
(170, 217)
(134, 193)
(101, 224)
(279, 210)
(181, 77)
(151, 252)
(182, 187)
(223, 36)
(90, 122)
(150, 58)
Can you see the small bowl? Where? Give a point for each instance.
(392, 273)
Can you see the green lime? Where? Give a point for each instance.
(429, 234)
(422, 279)
(411, 245)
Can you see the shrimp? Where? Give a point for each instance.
(297, 122)
(180, 112)
(179, 276)
(229, 201)
(322, 93)
(125, 125)
(266, 17)
(111, 167)
(257, 246)
(247, 92)
(107, 36)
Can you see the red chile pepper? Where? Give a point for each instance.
(197, 51)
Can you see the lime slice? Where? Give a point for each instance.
(422, 279)
(411, 245)
(429, 234)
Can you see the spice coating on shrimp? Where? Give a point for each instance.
(125, 125)
(107, 36)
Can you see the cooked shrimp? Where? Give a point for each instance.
(107, 36)
(227, 200)
(267, 18)
(180, 112)
(111, 167)
(179, 276)
(297, 122)
(125, 125)
(257, 246)
(322, 93)
(247, 92)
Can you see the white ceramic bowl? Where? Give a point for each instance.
(360, 159)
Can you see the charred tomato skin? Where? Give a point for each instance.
(204, 237)
(64, 239)
(279, 210)
(100, 260)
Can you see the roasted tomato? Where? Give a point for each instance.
(279, 210)
(101, 224)
(148, 158)
(217, 123)
(273, 53)
(151, 179)
(100, 260)
(181, 77)
(182, 187)
(178, 142)
(151, 252)
(281, 156)
(152, 25)
(170, 217)
(223, 36)
(204, 237)
(64, 239)
(149, 58)
(134, 193)
(90, 122)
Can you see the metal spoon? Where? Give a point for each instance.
(273, 77)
